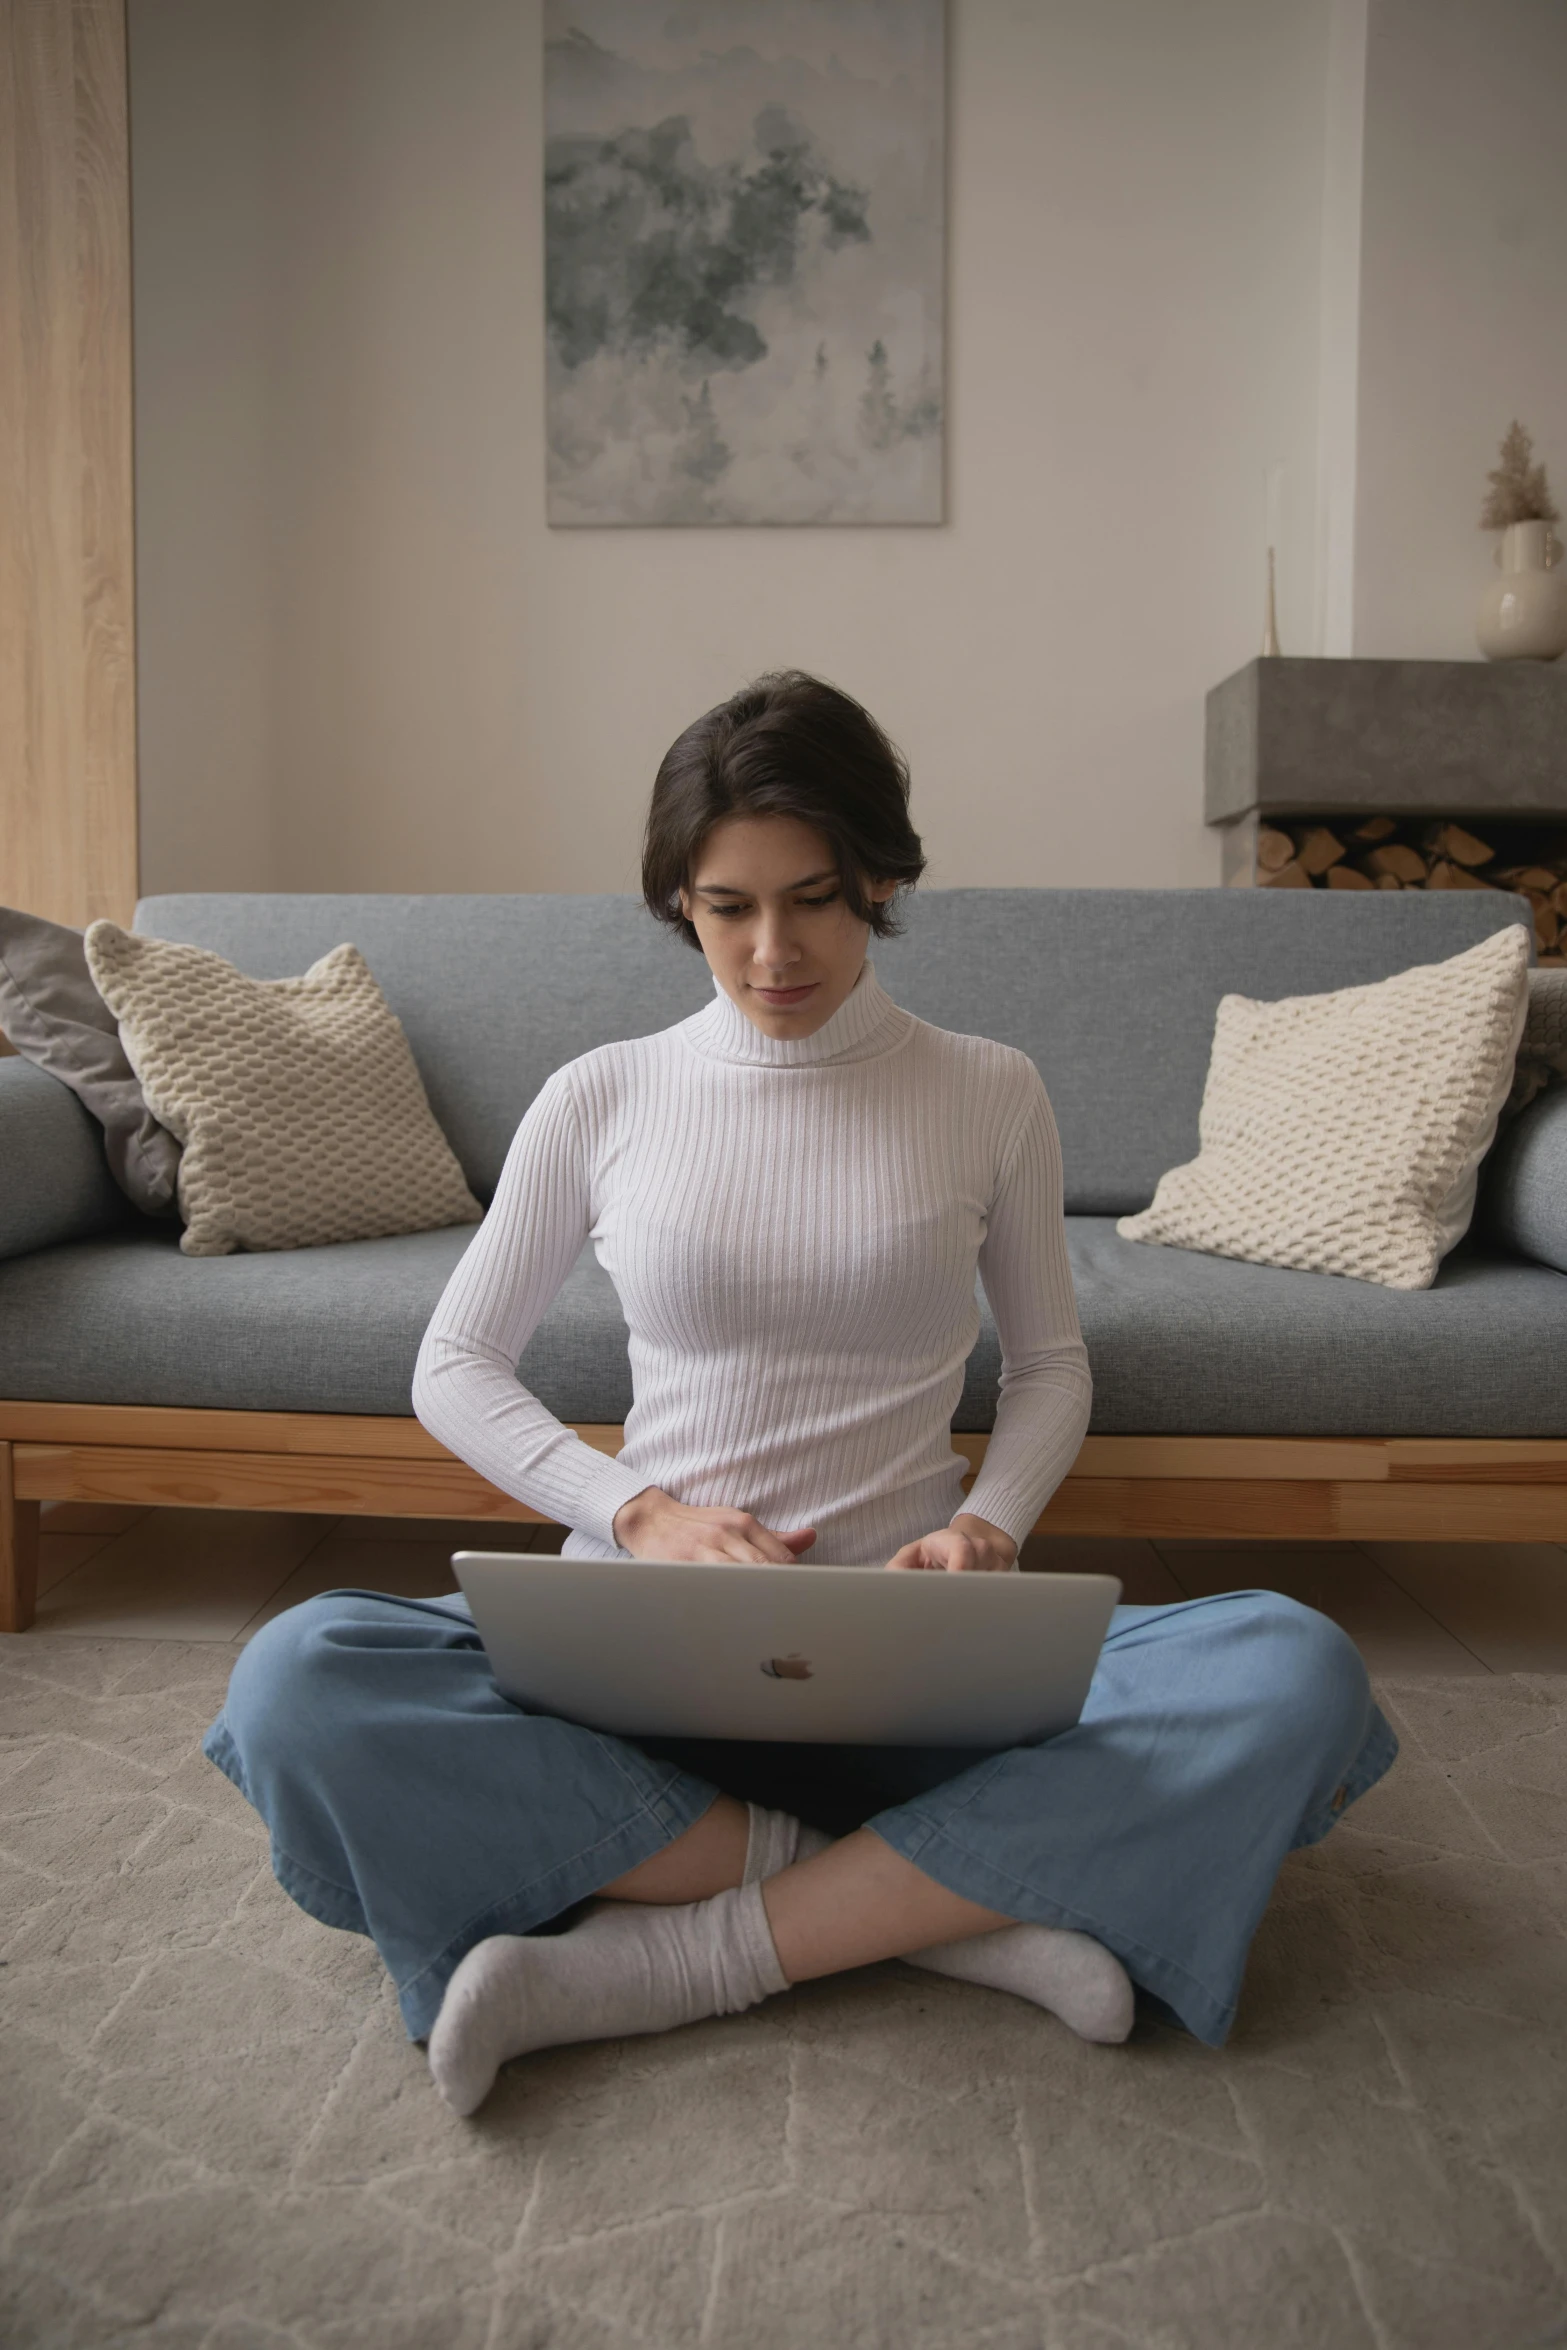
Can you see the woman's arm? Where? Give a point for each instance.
(1046, 1387)
(466, 1390)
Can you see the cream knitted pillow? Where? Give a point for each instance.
(303, 1117)
(1341, 1133)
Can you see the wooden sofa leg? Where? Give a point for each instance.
(18, 1551)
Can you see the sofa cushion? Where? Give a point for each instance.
(1523, 1206)
(1542, 1049)
(335, 1329)
(55, 1182)
(51, 1010)
(1112, 993)
(1188, 1344)
(1179, 1343)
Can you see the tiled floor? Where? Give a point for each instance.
(217, 1575)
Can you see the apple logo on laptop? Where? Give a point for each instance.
(787, 1668)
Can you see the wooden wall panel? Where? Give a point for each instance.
(67, 652)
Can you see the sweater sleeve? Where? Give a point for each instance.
(1046, 1386)
(466, 1390)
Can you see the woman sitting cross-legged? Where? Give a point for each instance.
(792, 1192)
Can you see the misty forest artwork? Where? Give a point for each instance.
(743, 246)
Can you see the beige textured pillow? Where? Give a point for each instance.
(302, 1114)
(1341, 1133)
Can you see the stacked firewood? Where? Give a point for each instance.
(1383, 853)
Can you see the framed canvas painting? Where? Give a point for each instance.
(744, 261)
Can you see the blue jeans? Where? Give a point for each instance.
(408, 1800)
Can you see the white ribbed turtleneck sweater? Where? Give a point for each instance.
(793, 1228)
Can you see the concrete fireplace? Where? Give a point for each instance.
(1395, 775)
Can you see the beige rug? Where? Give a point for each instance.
(216, 2137)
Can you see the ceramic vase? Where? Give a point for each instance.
(1523, 615)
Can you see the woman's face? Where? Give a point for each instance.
(765, 902)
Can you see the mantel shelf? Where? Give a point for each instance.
(1416, 738)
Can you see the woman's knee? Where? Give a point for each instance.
(286, 1692)
(1304, 1670)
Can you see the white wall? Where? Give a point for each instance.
(1463, 300)
(366, 661)
(1338, 328)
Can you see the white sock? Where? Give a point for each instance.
(1073, 1976)
(628, 1967)
(518, 1992)
(777, 1841)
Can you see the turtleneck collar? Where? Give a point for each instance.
(866, 1024)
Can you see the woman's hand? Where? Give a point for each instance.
(652, 1526)
(969, 1546)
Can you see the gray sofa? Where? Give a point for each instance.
(1111, 992)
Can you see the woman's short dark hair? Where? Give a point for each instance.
(788, 745)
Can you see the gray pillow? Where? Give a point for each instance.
(1524, 1208)
(1542, 1055)
(54, 1015)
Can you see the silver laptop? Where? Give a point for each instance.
(844, 1655)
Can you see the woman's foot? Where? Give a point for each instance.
(628, 1968)
(1073, 1976)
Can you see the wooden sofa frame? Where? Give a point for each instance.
(1207, 1488)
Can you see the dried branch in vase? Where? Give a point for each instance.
(1519, 491)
